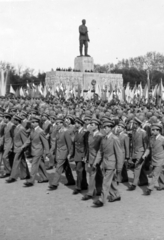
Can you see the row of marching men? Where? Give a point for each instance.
(102, 149)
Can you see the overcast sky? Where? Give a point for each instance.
(44, 34)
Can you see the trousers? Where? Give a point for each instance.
(95, 180)
(140, 177)
(19, 166)
(109, 186)
(157, 176)
(38, 166)
(62, 166)
(81, 182)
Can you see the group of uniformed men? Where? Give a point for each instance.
(104, 145)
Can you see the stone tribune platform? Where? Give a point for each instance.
(82, 64)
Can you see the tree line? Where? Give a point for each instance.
(135, 70)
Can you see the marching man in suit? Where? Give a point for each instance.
(63, 152)
(80, 155)
(110, 154)
(19, 163)
(46, 125)
(157, 158)
(139, 146)
(124, 141)
(2, 127)
(53, 132)
(95, 174)
(39, 145)
(7, 144)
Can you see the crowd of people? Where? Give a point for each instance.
(104, 140)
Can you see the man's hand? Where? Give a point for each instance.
(94, 166)
(118, 171)
(68, 157)
(84, 159)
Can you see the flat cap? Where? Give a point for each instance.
(18, 118)
(79, 120)
(96, 121)
(137, 120)
(7, 115)
(156, 126)
(108, 123)
(122, 124)
(35, 119)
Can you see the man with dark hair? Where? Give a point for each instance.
(63, 152)
(2, 127)
(110, 154)
(124, 141)
(7, 144)
(80, 155)
(157, 158)
(19, 163)
(39, 145)
(139, 146)
(95, 174)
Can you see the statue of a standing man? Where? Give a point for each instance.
(83, 38)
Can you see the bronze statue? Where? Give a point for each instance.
(83, 38)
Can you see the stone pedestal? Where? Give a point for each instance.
(84, 64)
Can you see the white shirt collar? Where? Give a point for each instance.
(109, 135)
(80, 129)
(158, 136)
(36, 127)
(138, 129)
(94, 133)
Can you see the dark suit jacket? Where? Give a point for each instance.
(81, 145)
(110, 153)
(46, 126)
(27, 125)
(139, 143)
(93, 146)
(2, 130)
(20, 137)
(39, 143)
(124, 141)
(8, 136)
(53, 133)
(63, 145)
(157, 150)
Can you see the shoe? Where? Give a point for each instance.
(98, 203)
(5, 175)
(49, 168)
(52, 187)
(160, 188)
(10, 180)
(131, 188)
(110, 199)
(86, 197)
(147, 192)
(28, 184)
(76, 191)
(43, 181)
(70, 184)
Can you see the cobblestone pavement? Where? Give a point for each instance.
(33, 214)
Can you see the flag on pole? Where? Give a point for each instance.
(12, 90)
